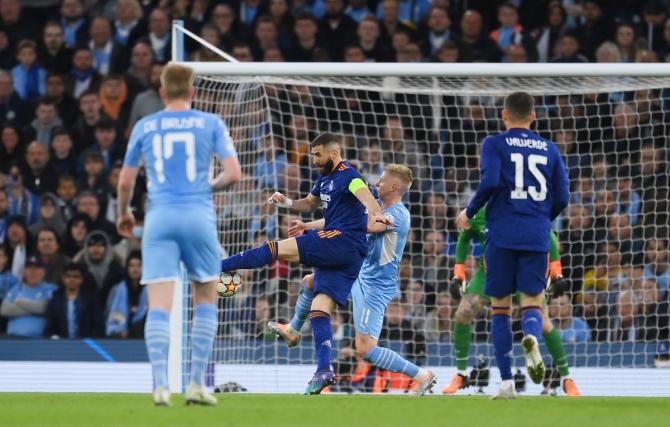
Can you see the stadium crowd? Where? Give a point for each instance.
(76, 75)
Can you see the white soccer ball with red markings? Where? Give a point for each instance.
(228, 284)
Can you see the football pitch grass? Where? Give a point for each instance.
(265, 410)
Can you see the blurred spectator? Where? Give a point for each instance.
(89, 204)
(29, 78)
(608, 52)
(62, 159)
(77, 229)
(628, 201)
(281, 15)
(266, 36)
(248, 12)
(53, 54)
(270, 165)
(16, 23)
(93, 176)
(38, 175)
(127, 302)
(114, 100)
(368, 35)
(51, 217)
(210, 34)
(12, 106)
(654, 185)
(264, 219)
(82, 74)
(66, 106)
(650, 312)
(98, 258)
(225, 21)
(433, 266)
(7, 282)
(655, 15)
(83, 131)
(46, 120)
(18, 244)
(49, 253)
(354, 53)
(569, 49)
(358, 10)
(4, 214)
(415, 299)
(410, 11)
(625, 322)
(21, 200)
(105, 144)
(437, 32)
(12, 147)
(658, 263)
(476, 46)
(630, 245)
(138, 76)
(74, 310)
(242, 52)
(128, 25)
(572, 329)
(595, 29)
(306, 47)
(159, 34)
(26, 303)
(74, 21)
(630, 47)
(66, 191)
(549, 35)
(336, 29)
(109, 55)
(439, 322)
(273, 54)
(511, 32)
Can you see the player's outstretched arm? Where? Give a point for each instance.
(125, 219)
(232, 173)
(377, 221)
(305, 205)
(297, 227)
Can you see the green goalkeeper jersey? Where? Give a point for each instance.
(477, 231)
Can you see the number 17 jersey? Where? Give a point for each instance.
(177, 148)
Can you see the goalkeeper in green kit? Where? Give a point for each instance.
(473, 299)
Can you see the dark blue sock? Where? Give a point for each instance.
(531, 321)
(501, 332)
(323, 335)
(252, 258)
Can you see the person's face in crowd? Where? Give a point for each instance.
(53, 37)
(657, 252)
(89, 105)
(73, 279)
(305, 29)
(96, 252)
(48, 208)
(6, 86)
(82, 60)
(135, 269)
(374, 153)
(243, 54)
(16, 235)
(10, 138)
(415, 293)
(94, 167)
(334, 8)
(101, 31)
(47, 244)
(34, 275)
(561, 307)
(278, 8)
(89, 205)
(605, 202)
(45, 113)
(395, 313)
(568, 46)
(555, 16)
(37, 156)
(627, 306)
(266, 33)
(444, 307)
(113, 177)
(368, 31)
(111, 89)
(155, 76)
(619, 226)
(471, 24)
(400, 40)
(125, 10)
(141, 57)
(438, 21)
(508, 16)
(273, 54)
(436, 206)
(434, 243)
(15, 179)
(210, 35)
(354, 54)
(26, 56)
(158, 23)
(390, 10)
(66, 190)
(4, 204)
(592, 12)
(448, 55)
(625, 36)
(393, 130)
(72, 9)
(649, 294)
(78, 231)
(10, 10)
(649, 160)
(600, 169)
(61, 145)
(516, 54)
(292, 177)
(55, 87)
(579, 218)
(105, 137)
(612, 255)
(565, 140)
(223, 18)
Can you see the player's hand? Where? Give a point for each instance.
(125, 223)
(557, 286)
(280, 200)
(462, 220)
(457, 288)
(296, 228)
(375, 218)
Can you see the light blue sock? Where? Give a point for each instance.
(302, 307)
(202, 338)
(157, 338)
(389, 360)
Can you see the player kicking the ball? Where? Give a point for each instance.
(377, 283)
(473, 299)
(336, 252)
(525, 186)
(177, 145)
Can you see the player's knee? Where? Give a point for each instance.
(308, 281)
(464, 313)
(364, 344)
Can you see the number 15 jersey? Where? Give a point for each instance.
(524, 181)
(178, 147)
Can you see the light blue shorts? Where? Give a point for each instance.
(369, 308)
(177, 233)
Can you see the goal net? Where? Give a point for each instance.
(613, 236)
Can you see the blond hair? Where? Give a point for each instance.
(177, 81)
(402, 173)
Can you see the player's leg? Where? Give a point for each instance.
(319, 315)
(532, 271)
(500, 285)
(552, 339)
(286, 250)
(470, 305)
(290, 332)
(201, 254)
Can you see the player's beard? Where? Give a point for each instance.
(327, 167)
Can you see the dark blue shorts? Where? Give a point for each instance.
(336, 258)
(509, 271)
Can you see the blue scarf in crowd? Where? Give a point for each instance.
(118, 311)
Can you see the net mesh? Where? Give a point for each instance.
(613, 236)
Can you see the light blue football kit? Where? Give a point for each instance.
(177, 148)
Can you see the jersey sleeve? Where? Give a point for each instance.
(490, 176)
(560, 195)
(397, 216)
(316, 188)
(554, 254)
(223, 143)
(134, 150)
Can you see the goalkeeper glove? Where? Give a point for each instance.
(457, 284)
(557, 286)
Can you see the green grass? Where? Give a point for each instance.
(101, 410)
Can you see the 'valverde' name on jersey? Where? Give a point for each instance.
(177, 148)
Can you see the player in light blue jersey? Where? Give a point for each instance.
(376, 285)
(177, 146)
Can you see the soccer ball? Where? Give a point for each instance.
(228, 284)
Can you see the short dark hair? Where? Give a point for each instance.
(325, 138)
(105, 123)
(519, 105)
(305, 16)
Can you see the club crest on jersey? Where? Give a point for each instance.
(330, 186)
